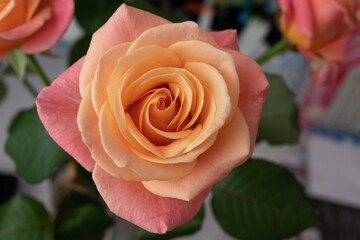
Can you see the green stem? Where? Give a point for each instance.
(35, 65)
(278, 47)
(30, 88)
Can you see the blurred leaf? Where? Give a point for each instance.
(191, 227)
(92, 14)
(8, 70)
(2, 90)
(35, 154)
(279, 118)
(18, 62)
(261, 200)
(22, 218)
(86, 222)
(50, 54)
(146, 6)
(79, 49)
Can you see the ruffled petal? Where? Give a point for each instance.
(131, 201)
(57, 107)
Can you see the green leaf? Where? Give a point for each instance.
(147, 6)
(86, 222)
(261, 200)
(18, 62)
(279, 118)
(191, 227)
(22, 218)
(35, 154)
(2, 90)
(92, 14)
(79, 49)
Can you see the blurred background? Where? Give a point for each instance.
(326, 160)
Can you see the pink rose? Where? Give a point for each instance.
(159, 112)
(35, 25)
(324, 27)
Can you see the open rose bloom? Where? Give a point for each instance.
(35, 25)
(322, 27)
(159, 112)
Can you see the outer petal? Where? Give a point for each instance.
(131, 201)
(254, 87)
(226, 39)
(58, 106)
(54, 28)
(231, 149)
(125, 25)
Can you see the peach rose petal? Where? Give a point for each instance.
(53, 29)
(87, 119)
(105, 68)
(254, 87)
(28, 28)
(57, 107)
(211, 79)
(168, 34)
(146, 82)
(133, 62)
(226, 39)
(196, 51)
(157, 215)
(126, 24)
(31, 8)
(6, 8)
(14, 14)
(231, 148)
(122, 154)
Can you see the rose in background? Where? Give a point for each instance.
(159, 112)
(322, 27)
(35, 25)
(332, 73)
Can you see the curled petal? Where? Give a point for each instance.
(106, 66)
(196, 51)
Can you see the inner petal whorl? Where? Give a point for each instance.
(164, 104)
